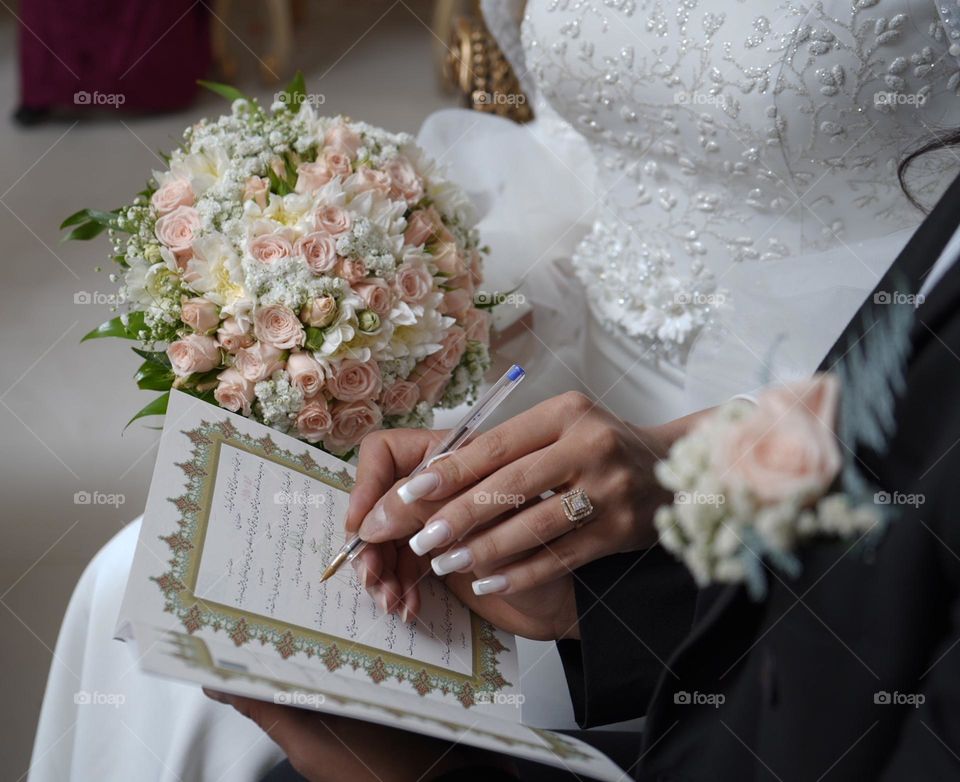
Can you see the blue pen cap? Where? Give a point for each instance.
(515, 372)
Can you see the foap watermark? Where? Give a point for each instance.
(684, 98)
(298, 99)
(515, 699)
(97, 297)
(499, 498)
(698, 498)
(497, 299)
(307, 498)
(899, 498)
(897, 698)
(98, 498)
(898, 297)
(97, 98)
(484, 98)
(696, 698)
(696, 297)
(892, 98)
(298, 698)
(96, 698)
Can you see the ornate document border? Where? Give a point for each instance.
(178, 583)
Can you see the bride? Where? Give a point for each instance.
(708, 192)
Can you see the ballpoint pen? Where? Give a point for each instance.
(453, 440)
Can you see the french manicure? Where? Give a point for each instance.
(363, 572)
(490, 585)
(375, 521)
(436, 533)
(456, 560)
(418, 486)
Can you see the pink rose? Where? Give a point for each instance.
(376, 295)
(421, 226)
(305, 373)
(431, 380)
(353, 380)
(258, 362)
(201, 315)
(343, 140)
(333, 220)
(256, 189)
(319, 250)
(232, 336)
(400, 398)
(476, 324)
(234, 392)
(786, 448)
(176, 229)
(314, 420)
(351, 422)
(413, 282)
(193, 353)
(353, 270)
(370, 179)
(451, 349)
(176, 192)
(319, 312)
(279, 326)
(337, 163)
(312, 176)
(404, 182)
(268, 248)
(456, 303)
(448, 259)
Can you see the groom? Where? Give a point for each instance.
(849, 671)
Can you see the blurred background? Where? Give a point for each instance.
(91, 92)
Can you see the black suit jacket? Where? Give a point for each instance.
(850, 671)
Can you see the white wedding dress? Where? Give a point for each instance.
(707, 194)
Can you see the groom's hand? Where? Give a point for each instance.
(324, 748)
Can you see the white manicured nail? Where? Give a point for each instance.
(405, 615)
(418, 486)
(436, 533)
(456, 560)
(490, 585)
(381, 599)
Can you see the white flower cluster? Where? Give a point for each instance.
(722, 528)
(315, 273)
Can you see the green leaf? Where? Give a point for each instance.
(126, 326)
(223, 90)
(151, 377)
(157, 407)
(295, 92)
(84, 232)
(157, 357)
(314, 340)
(278, 185)
(74, 219)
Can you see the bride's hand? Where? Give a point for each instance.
(391, 571)
(469, 501)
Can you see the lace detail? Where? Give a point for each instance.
(736, 132)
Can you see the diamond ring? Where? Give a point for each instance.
(576, 506)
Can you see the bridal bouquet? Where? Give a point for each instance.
(314, 273)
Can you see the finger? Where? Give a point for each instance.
(519, 436)
(410, 570)
(529, 530)
(285, 725)
(557, 559)
(506, 489)
(384, 457)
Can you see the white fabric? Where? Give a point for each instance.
(949, 256)
(162, 730)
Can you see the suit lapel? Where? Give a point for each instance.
(906, 275)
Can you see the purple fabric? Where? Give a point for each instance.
(150, 52)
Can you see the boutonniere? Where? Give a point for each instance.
(751, 481)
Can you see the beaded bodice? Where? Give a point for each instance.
(737, 132)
